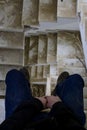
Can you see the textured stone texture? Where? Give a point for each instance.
(48, 10)
(10, 13)
(66, 8)
(38, 90)
(33, 49)
(64, 53)
(42, 49)
(5, 68)
(2, 88)
(52, 48)
(83, 12)
(80, 3)
(11, 39)
(69, 45)
(30, 12)
(11, 56)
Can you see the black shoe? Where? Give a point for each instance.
(64, 75)
(25, 71)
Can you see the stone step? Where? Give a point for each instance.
(7, 9)
(30, 12)
(33, 50)
(39, 11)
(79, 4)
(71, 62)
(11, 56)
(5, 68)
(65, 46)
(33, 12)
(53, 52)
(41, 71)
(66, 8)
(11, 39)
(38, 90)
(83, 12)
(42, 49)
(52, 48)
(48, 11)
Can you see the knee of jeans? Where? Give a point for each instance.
(10, 73)
(78, 77)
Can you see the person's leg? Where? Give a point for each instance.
(71, 93)
(17, 90)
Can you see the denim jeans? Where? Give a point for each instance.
(70, 91)
(17, 91)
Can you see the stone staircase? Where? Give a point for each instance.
(47, 37)
(51, 53)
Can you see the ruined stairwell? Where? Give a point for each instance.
(46, 36)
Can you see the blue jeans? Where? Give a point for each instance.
(17, 91)
(70, 91)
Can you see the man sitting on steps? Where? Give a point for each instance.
(24, 112)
